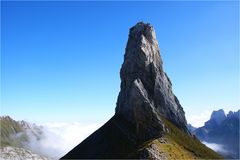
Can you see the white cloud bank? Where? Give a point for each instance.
(59, 138)
(216, 147)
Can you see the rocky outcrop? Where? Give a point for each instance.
(146, 91)
(14, 153)
(144, 104)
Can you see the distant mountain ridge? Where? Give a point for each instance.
(222, 129)
(191, 128)
(10, 127)
(15, 136)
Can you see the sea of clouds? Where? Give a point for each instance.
(57, 139)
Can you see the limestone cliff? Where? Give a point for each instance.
(149, 121)
(146, 91)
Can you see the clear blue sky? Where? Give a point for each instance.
(60, 61)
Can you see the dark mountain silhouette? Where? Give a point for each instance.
(149, 121)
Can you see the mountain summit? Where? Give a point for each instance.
(149, 121)
(218, 116)
(146, 91)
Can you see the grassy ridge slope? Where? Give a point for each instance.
(190, 144)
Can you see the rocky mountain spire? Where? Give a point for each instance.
(146, 91)
(148, 116)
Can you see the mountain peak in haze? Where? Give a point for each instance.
(232, 114)
(148, 116)
(218, 116)
(222, 130)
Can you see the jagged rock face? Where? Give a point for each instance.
(146, 91)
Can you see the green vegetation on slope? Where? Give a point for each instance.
(191, 144)
(11, 133)
(174, 150)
